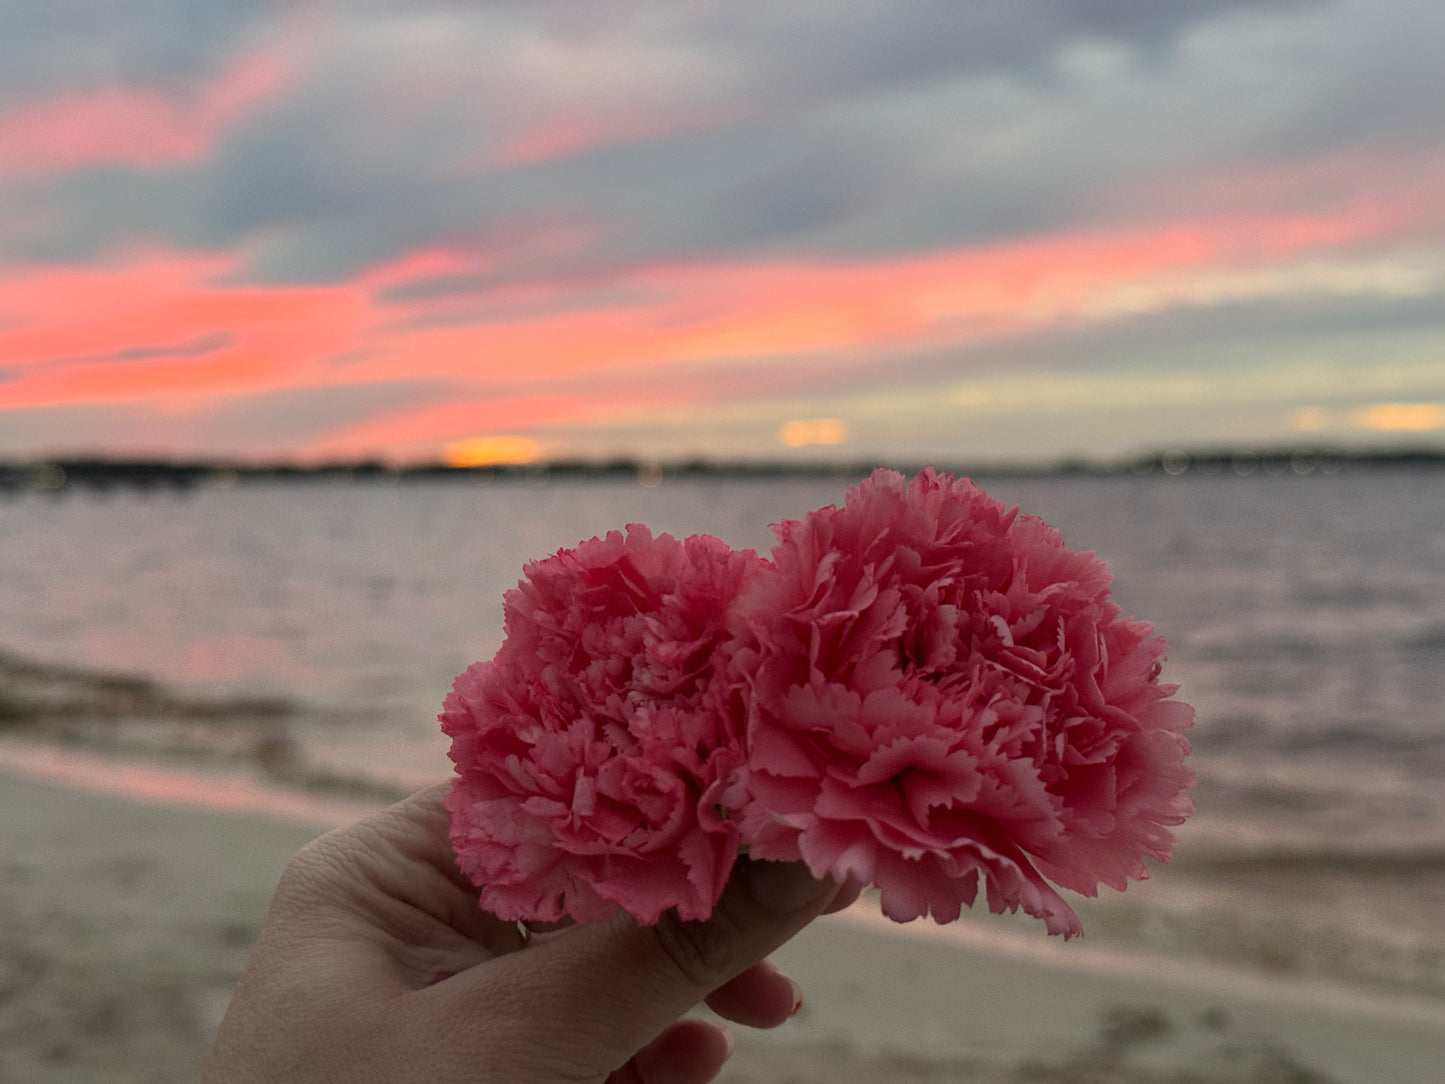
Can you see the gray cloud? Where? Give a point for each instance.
(1376, 79)
(1179, 338)
(51, 48)
(882, 126)
(870, 45)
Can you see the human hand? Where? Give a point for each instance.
(376, 964)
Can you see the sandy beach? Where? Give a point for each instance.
(125, 920)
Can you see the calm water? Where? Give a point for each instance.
(1306, 617)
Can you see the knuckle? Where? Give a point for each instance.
(307, 875)
(702, 952)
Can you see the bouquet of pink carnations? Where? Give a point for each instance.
(919, 687)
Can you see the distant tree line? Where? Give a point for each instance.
(101, 474)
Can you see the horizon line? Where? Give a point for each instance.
(101, 471)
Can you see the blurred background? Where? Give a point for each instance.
(317, 321)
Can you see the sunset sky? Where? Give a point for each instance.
(859, 229)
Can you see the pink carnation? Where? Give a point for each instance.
(592, 754)
(937, 687)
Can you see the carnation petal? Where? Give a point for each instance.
(948, 691)
(923, 689)
(584, 749)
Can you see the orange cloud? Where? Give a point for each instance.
(162, 325)
(156, 324)
(462, 425)
(491, 451)
(801, 432)
(159, 324)
(1401, 417)
(137, 126)
(714, 311)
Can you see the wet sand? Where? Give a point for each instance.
(124, 922)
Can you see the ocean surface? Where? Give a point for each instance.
(308, 632)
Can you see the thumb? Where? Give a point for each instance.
(579, 1004)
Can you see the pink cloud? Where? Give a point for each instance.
(160, 325)
(411, 430)
(564, 135)
(709, 311)
(152, 323)
(138, 126)
(1398, 190)
(80, 334)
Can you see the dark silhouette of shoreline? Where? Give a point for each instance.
(98, 474)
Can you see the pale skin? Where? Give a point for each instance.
(375, 964)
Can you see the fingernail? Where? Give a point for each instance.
(797, 999)
(783, 887)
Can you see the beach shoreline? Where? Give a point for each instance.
(126, 915)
